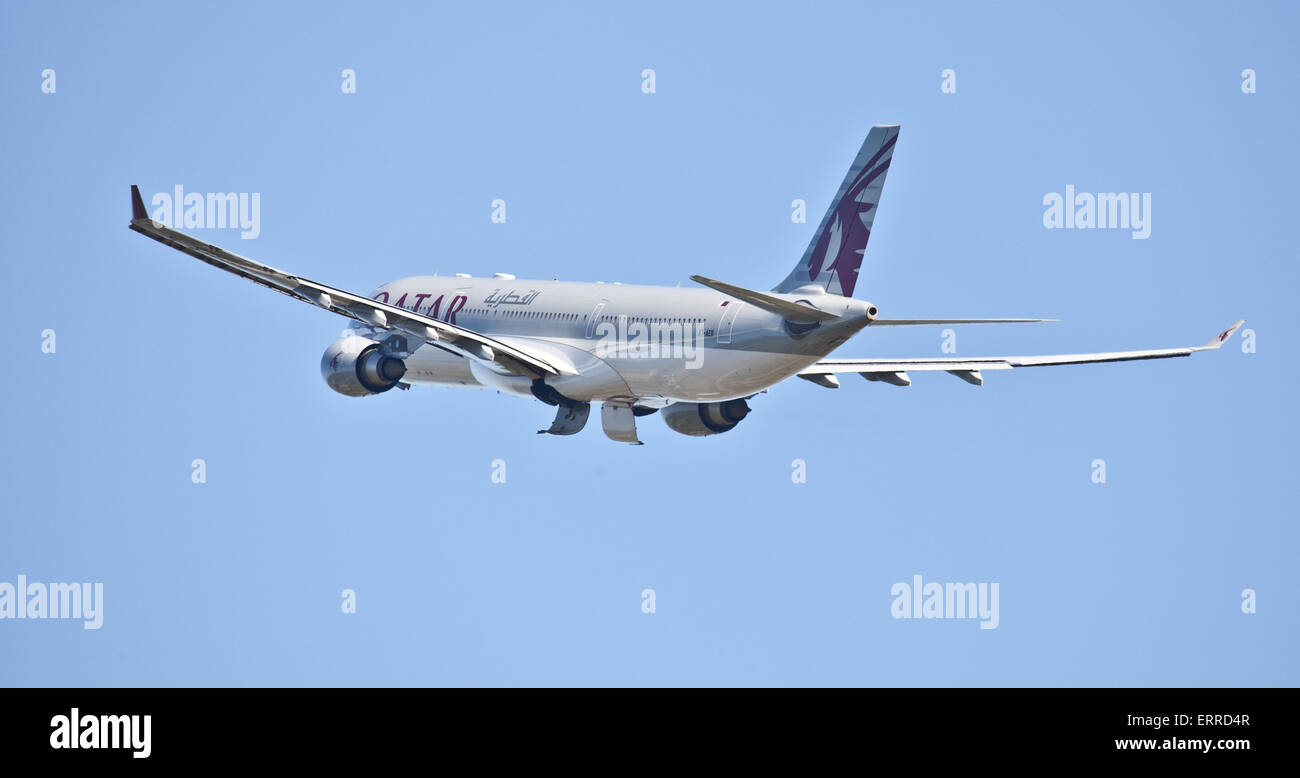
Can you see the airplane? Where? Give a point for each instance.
(696, 355)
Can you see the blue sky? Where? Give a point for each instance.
(161, 360)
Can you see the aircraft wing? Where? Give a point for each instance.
(440, 334)
(894, 371)
(918, 322)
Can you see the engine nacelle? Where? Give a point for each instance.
(356, 366)
(705, 418)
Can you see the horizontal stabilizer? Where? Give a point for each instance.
(792, 311)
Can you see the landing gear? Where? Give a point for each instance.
(569, 419)
(617, 418)
(570, 415)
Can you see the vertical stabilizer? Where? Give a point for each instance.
(832, 259)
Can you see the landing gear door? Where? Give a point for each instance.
(619, 422)
(569, 419)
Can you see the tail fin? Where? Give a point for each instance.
(832, 259)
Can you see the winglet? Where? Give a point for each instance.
(137, 205)
(1218, 340)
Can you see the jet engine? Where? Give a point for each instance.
(357, 366)
(700, 419)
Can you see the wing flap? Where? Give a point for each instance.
(832, 366)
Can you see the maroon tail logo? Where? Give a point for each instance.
(841, 245)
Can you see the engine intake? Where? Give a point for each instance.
(701, 419)
(356, 366)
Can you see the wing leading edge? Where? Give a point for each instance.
(441, 334)
(894, 371)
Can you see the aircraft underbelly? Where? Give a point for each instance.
(720, 374)
(713, 374)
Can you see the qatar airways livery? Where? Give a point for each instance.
(696, 354)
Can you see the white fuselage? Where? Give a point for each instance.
(651, 344)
